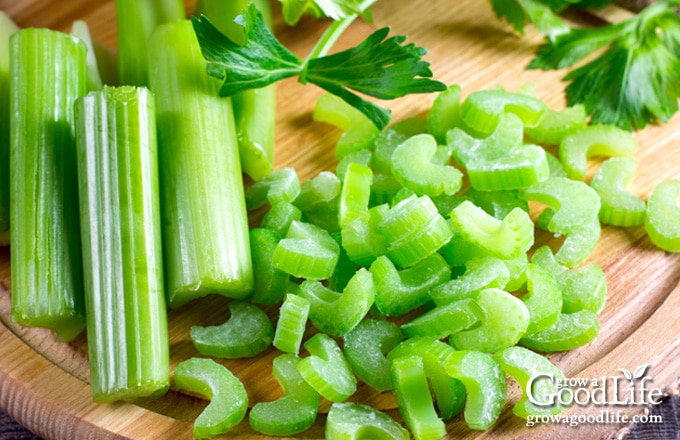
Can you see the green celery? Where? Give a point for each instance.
(365, 347)
(324, 187)
(307, 251)
(292, 323)
(353, 421)
(295, 411)
(280, 186)
(445, 114)
(7, 28)
(572, 330)
(619, 207)
(254, 109)
(361, 239)
(247, 333)
(48, 73)
(361, 157)
(497, 203)
(200, 174)
(543, 300)
(482, 109)
(391, 137)
(81, 30)
(445, 320)
(355, 193)
(326, 369)
(270, 282)
(485, 385)
(280, 216)
(127, 327)
(228, 397)
(414, 400)
(555, 125)
(480, 274)
(661, 224)
(136, 21)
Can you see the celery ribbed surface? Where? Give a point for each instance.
(205, 223)
(7, 28)
(47, 74)
(127, 326)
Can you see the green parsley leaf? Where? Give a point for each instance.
(380, 67)
(540, 14)
(635, 80)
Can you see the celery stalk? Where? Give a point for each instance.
(47, 73)
(127, 327)
(254, 109)
(205, 223)
(7, 28)
(136, 21)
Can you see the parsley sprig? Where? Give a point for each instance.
(380, 67)
(631, 78)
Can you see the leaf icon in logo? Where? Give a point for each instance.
(626, 373)
(640, 371)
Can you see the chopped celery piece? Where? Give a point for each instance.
(506, 239)
(353, 421)
(365, 347)
(483, 109)
(556, 167)
(556, 124)
(500, 161)
(344, 269)
(280, 186)
(663, 216)
(412, 166)
(582, 288)
(361, 157)
(204, 254)
(324, 215)
(413, 396)
(530, 369)
(270, 282)
(445, 320)
(291, 325)
(619, 207)
(400, 291)
(337, 313)
(449, 392)
(445, 113)
(543, 300)
(414, 230)
(327, 369)
(7, 28)
(324, 187)
(359, 130)
(391, 138)
(280, 216)
(361, 239)
(484, 382)
(505, 320)
(480, 274)
(228, 397)
(497, 203)
(47, 74)
(136, 22)
(307, 251)
(593, 140)
(247, 333)
(355, 193)
(517, 268)
(571, 330)
(573, 209)
(295, 411)
(126, 314)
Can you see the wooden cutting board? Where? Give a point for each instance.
(44, 385)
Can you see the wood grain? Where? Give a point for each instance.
(44, 384)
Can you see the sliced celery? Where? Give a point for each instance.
(280, 216)
(662, 223)
(481, 273)
(336, 313)
(413, 167)
(295, 411)
(449, 392)
(365, 347)
(327, 369)
(571, 330)
(362, 157)
(136, 21)
(445, 320)
(619, 207)
(594, 140)
(353, 421)
(270, 282)
(497, 203)
(355, 193)
(127, 326)
(7, 28)
(200, 175)
(556, 124)
(361, 239)
(280, 186)
(324, 187)
(247, 333)
(485, 385)
(48, 73)
(307, 251)
(445, 113)
(291, 325)
(228, 397)
(543, 300)
(413, 398)
(482, 109)
(391, 137)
